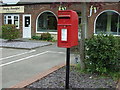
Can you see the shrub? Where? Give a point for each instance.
(0, 33)
(36, 37)
(10, 32)
(118, 47)
(102, 54)
(46, 36)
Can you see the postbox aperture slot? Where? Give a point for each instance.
(63, 17)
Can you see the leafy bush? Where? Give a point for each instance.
(10, 32)
(36, 37)
(118, 47)
(102, 54)
(46, 36)
(0, 33)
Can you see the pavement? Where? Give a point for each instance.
(21, 64)
(23, 44)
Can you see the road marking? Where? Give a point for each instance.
(27, 57)
(57, 52)
(23, 59)
(17, 55)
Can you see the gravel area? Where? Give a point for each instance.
(23, 44)
(77, 80)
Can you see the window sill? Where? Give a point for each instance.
(46, 32)
(105, 34)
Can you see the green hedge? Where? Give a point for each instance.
(102, 54)
(46, 36)
(10, 32)
(36, 37)
(118, 47)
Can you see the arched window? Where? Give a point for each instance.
(108, 22)
(46, 22)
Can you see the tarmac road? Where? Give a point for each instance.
(19, 64)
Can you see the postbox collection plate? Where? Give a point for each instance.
(64, 34)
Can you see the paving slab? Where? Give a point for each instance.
(23, 44)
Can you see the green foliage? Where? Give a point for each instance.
(53, 40)
(0, 33)
(78, 68)
(46, 36)
(118, 46)
(102, 54)
(10, 32)
(115, 75)
(36, 37)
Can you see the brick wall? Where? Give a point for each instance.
(107, 6)
(36, 9)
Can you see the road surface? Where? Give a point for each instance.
(19, 64)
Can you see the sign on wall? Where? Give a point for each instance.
(12, 9)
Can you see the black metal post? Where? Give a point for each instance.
(67, 67)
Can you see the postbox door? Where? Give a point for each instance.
(63, 37)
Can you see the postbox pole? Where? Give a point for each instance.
(67, 67)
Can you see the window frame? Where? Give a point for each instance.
(39, 32)
(101, 14)
(12, 18)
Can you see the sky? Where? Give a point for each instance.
(10, 1)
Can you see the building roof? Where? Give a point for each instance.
(44, 1)
(53, 1)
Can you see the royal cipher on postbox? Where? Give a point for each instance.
(67, 28)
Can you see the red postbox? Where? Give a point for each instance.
(67, 28)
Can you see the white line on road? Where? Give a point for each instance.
(57, 52)
(17, 55)
(23, 59)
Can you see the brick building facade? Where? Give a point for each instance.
(42, 17)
